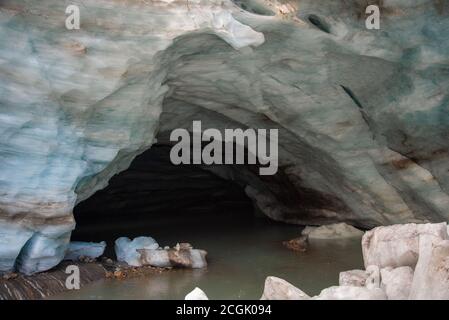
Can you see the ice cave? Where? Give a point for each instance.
(150, 196)
(362, 116)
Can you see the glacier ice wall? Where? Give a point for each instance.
(363, 114)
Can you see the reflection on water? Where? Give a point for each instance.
(241, 255)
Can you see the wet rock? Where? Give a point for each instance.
(279, 289)
(119, 274)
(398, 245)
(396, 282)
(351, 293)
(155, 258)
(188, 258)
(354, 278)
(332, 231)
(196, 294)
(78, 250)
(297, 244)
(127, 250)
(431, 278)
(181, 258)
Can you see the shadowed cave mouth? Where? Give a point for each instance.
(155, 198)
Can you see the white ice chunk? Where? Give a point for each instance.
(79, 249)
(126, 250)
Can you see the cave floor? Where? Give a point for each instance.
(241, 254)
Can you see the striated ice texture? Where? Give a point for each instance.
(78, 249)
(362, 114)
(42, 252)
(12, 239)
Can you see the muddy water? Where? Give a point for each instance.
(241, 255)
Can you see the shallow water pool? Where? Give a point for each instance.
(241, 254)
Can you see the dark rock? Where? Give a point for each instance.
(298, 244)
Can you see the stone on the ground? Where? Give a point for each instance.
(155, 258)
(398, 245)
(279, 289)
(182, 258)
(351, 293)
(183, 245)
(355, 278)
(119, 274)
(196, 294)
(78, 249)
(297, 244)
(431, 278)
(126, 250)
(198, 258)
(396, 282)
(332, 231)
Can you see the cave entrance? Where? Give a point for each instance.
(192, 203)
(170, 203)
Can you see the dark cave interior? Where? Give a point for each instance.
(153, 197)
